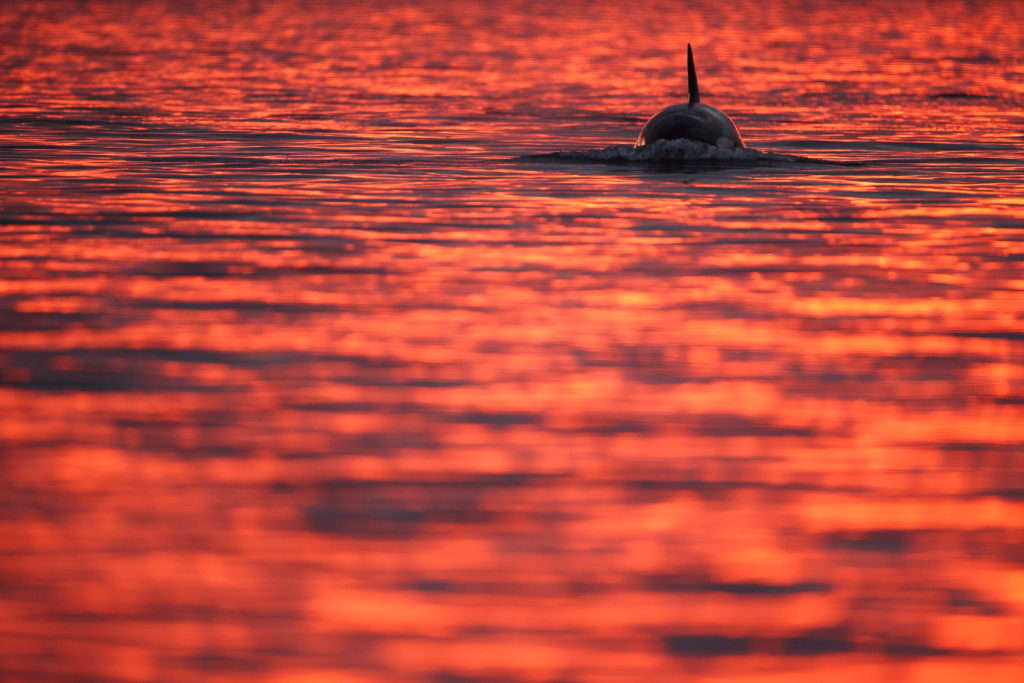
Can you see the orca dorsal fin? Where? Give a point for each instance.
(691, 73)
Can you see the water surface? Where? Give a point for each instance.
(309, 372)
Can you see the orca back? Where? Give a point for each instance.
(692, 121)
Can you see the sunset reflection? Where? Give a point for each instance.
(306, 374)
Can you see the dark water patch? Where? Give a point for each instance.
(210, 214)
(32, 321)
(811, 643)
(104, 358)
(913, 650)
(1008, 335)
(1005, 493)
(358, 407)
(889, 541)
(239, 305)
(673, 583)
(609, 425)
(715, 310)
(717, 487)
(202, 450)
(985, 57)
(810, 143)
(538, 269)
(20, 502)
(58, 122)
(928, 364)
(61, 220)
(399, 485)
(960, 95)
(218, 663)
(388, 509)
(25, 147)
(961, 601)
(241, 269)
(725, 424)
(322, 244)
(707, 645)
(930, 146)
(218, 159)
(384, 444)
(486, 587)
(669, 376)
(971, 447)
(300, 455)
(298, 116)
(127, 129)
(332, 446)
(374, 518)
(206, 269)
(449, 677)
(507, 243)
(493, 419)
(134, 219)
(751, 270)
(422, 383)
(432, 586)
(105, 187)
(677, 270)
(815, 642)
(103, 380)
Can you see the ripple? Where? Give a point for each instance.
(682, 152)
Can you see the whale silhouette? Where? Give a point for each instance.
(692, 121)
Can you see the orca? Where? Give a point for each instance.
(692, 121)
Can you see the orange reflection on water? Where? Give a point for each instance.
(302, 378)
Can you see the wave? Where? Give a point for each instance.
(680, 152)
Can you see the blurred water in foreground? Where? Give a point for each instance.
(307, 374)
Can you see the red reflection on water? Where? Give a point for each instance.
(299, 414)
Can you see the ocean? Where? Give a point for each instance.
(354, 342)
